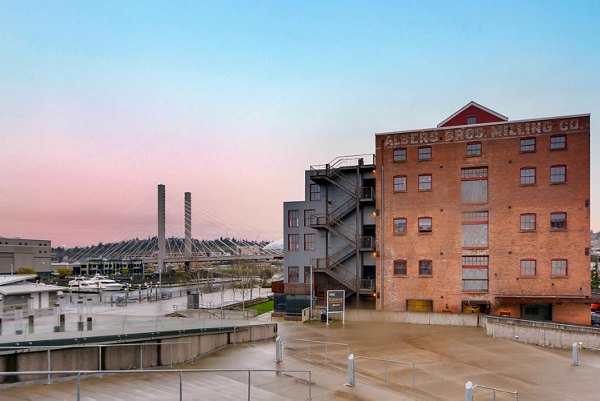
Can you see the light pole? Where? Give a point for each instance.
(311, 292)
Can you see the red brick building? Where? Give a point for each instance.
(482, 213)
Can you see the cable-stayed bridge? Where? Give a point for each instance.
(160, 251)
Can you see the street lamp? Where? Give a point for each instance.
(311, 292)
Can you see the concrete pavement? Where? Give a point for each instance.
(445, 358)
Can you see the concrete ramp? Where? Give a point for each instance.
(143, 387)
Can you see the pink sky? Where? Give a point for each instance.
(102, 101)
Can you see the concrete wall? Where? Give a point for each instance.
(442, 319)
(546, 334)
(127, 356)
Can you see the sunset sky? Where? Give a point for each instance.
(100, 101)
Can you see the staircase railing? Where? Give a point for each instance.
(343, 209)
(344, 253)
(337, 271)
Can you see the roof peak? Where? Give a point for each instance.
(477, 105)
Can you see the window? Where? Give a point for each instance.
(425, 182)
(558, 221)
(399, 154)
(307, 279)
(475, 273)
(474, 186)
(528, 267)
(471, 120)
(293, 218)
(309, 217)
(315, 192)
(425, 153)
(400, 225)
(400, 268)
(309, 242)
(558, 142)
(528, 176)
(474, 231)
(293, 274)
(558, 174)
(528, 222)
(293, 242)
(424, 224)
(527, 145)
(399, 183)
(425, 268)
(473, 149)
(559, 267)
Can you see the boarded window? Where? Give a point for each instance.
(475, 273)
(475, 230)
(474, 188)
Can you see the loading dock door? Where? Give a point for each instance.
(540, 312)
(419, 305)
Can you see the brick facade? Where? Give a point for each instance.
(566, 292)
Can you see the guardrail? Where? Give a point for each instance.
(279, 346)
(470, 390)
(179, 372)
(100, 347)
(352, 368)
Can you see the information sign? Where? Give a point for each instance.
(336, 300)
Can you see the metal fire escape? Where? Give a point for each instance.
(333, 220)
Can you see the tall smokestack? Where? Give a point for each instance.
(188, 224)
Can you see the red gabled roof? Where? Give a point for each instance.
(472, 109)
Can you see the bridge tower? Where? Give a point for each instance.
(188, 224)
(161, 230)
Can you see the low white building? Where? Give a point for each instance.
(16, 292)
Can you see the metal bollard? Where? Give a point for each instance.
(278, 349)
(351, 373)
(575, 361)
(468, 391)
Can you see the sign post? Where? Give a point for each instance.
(336, 303)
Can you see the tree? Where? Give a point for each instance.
(25, 270)
(64, 271)
(595, 277)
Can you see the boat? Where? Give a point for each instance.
(82, 284)
(106, 284)
(94, 284)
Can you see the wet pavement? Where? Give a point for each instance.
(445, 358)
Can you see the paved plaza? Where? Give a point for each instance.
(445, 358)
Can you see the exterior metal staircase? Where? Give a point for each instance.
(333, 220)
(338, 272)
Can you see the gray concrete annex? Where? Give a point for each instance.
(445, 358)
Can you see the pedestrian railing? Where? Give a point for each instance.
(101, 348)
(280, 345)
(470, 391)
(179, 372)
(386, 362)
